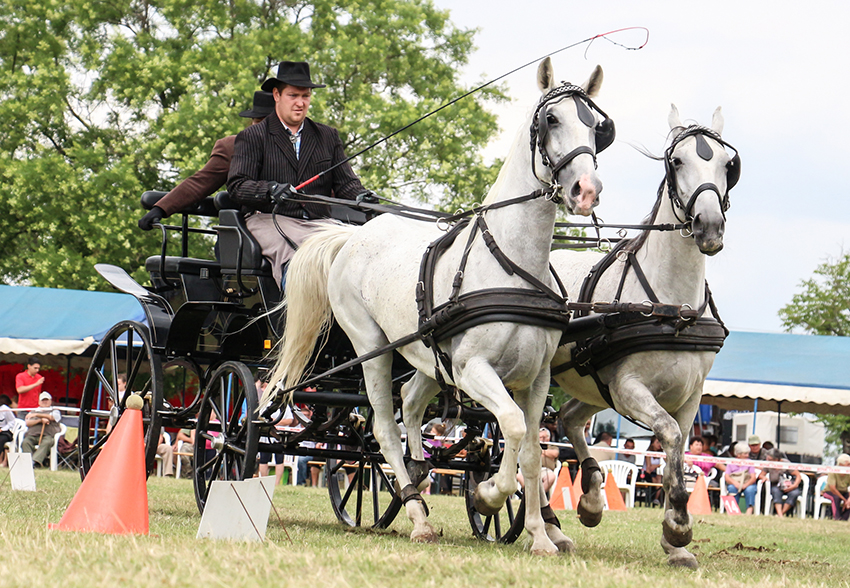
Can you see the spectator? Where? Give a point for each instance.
(28, 384)
(121, 380)
(696, 448)
(785, 485)
(304, 460)
(631, 458)
(186, 451)
(742, 478)
(548, 462)
(837, 490)
(756, 450)
(650, 469)
(43, 424)
(604, 439)
(7, 425)
(710, 444)
(265, 456)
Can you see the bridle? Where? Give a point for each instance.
(704, 150)
(604, 130)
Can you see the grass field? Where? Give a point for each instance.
(622, 551)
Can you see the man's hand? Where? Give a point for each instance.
(369, 197)
(280, 192)
(153, 216)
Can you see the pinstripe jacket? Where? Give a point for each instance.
(264, 154)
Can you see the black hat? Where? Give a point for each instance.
(294, 73)
(263, 106)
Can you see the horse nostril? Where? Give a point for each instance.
(576, 190)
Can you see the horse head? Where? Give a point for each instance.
(567, 131)
(700, 173)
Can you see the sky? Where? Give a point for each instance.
(778, 69)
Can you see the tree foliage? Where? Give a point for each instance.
(104, 100)
(823, 308)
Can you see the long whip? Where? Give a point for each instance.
(477, 89)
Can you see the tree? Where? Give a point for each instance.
(823, 308)
(111, 99)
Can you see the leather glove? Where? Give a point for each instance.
(153, 216)
(280, 192)
(369, 197)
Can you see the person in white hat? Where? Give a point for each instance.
(43, 424)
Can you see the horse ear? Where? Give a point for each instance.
(717, 121)
(594, 82)
(545, 75)
(673, 118)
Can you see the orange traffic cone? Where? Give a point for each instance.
(698, 503)
(577, 489)
(114, 497)
(563, 482)
(612, 493)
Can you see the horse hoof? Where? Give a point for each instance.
(544, 551)
(683, 560)
(425, 536)
(561, 541)
(481, 505)
(588, 517)
(677, 535)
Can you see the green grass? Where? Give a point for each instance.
(622, 551)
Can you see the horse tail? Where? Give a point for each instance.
(308, 309)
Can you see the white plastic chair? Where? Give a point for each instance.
(166, 438)
(20, 432)
(820, 500)
(621, 470)
(801, 500)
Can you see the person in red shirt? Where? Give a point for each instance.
(28, 384)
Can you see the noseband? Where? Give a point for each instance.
(733, 171)
(604, 130)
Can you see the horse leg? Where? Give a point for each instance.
(575, 415)
(635, 399)
(532, 402)
(415, 395)
(481, 383)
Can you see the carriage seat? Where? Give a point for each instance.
(205, 207)
(204, 268)
(231, 230)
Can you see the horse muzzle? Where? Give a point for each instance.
(708, 235)
(583, 196)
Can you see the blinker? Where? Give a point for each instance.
(703, 148)
(584, 114)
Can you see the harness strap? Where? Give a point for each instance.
(409, 493)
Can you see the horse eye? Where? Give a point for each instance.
(551, 119)
(677, 162)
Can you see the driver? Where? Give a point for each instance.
(284, 150)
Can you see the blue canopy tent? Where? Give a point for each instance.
(48, 321)
(781, 372)
(68, 323)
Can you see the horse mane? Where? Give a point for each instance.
(634, 245)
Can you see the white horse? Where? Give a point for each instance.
(367, 278)
(660, 388)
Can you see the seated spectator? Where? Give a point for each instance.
(650, 470)
(836, 489)
(187, 436)
(756, 450)
(7, 425)
(304, 460)
(742, 478)
(631, 458)
(548, 462)
(785, 485)
(43, 424)
(710, 445)
(604, 439)
(696, 448)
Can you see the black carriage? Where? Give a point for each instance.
(211, 324)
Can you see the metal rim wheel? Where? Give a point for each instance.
(226, 435)
(506, 525)
(126, 349)
(370, 496)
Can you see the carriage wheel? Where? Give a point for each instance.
(506, 525)
(126, 349)
(361, 491)
(226, 436)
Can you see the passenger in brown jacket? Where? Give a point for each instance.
(209, 179)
